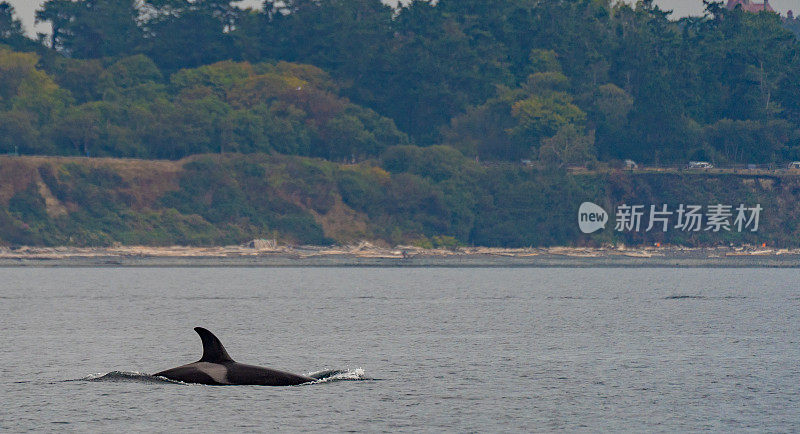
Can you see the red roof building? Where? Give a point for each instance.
(749, 6)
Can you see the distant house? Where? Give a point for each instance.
(749, 6)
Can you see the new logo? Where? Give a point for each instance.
(591, 217)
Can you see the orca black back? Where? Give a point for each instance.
(217, 368)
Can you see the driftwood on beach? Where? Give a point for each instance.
(269, 253)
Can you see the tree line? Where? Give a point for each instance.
(562, 82)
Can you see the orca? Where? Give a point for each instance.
(216, 368)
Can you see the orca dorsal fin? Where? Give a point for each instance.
(213, 351)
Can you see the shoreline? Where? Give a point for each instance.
(367, 255)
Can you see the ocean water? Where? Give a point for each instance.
(422, 349)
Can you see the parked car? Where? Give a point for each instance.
(631, 165)
(794, 165)
(700, 165)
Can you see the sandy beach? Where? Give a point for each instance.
(366, 254)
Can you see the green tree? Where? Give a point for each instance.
(79, 127)
(220, 77)
(81, 77)
(10, 26)
(328, 34)
(543, 61)
(92, 28)
(186, 34)
(747, 141)
(608, 111)
(793, 24)
(26, 88)
(427, 91)
(567, 147)
(539, 117)
(16, 69)
(12, 32)
(482, 132)
(19, 133)
(131, 71)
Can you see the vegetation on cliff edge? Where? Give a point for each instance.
(426, 196)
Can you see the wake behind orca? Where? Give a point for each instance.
(217, 368)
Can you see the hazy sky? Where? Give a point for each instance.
(25, 9)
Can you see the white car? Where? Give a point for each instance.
(700, 165)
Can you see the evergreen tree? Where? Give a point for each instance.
(10, 26)
(186, 34)
(92, 28)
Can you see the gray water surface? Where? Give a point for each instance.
(454, 349)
